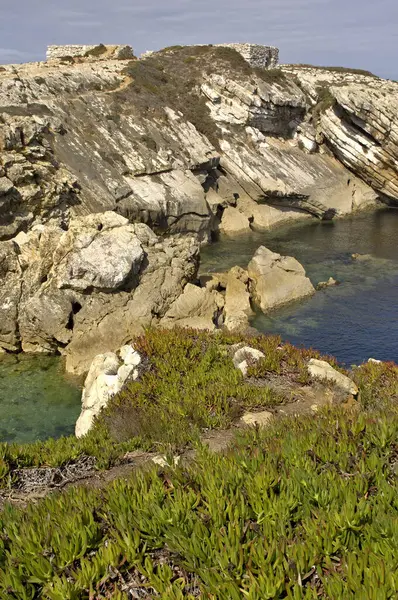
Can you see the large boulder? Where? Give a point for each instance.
(233, 221)
(100, 251)
(276, 279)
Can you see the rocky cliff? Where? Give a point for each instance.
(186, 140)
(175, 138)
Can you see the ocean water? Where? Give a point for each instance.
(37, 399)
(353, 321)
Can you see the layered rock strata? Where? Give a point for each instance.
(89, 136)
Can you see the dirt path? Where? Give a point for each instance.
(33, 484)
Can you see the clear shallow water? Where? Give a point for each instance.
(37, 400)
(353, 321)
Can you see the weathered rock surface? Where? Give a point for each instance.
(237, 308)
(89, 289)
(277, 279)
(359, 123)
(10, 295)
(233, 221)
(246, 356)
(196, 307)
(323, 370)
(107, 375)
(76, 138)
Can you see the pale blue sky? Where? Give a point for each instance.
(354, 33)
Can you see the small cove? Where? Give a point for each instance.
(353, 321)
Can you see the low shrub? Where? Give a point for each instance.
(191, 386)
(325, 101)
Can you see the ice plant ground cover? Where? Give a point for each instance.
(304, 509)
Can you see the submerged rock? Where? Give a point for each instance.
(276, 279)
(329, 283)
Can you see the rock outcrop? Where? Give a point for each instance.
(237, 300)
(357, 120)
(323, 370)
(196, 307)
(91, 288)
(99, 150)
(103, 131)
(107, 375)
(277, 279)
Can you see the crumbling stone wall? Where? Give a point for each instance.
(265, 57)
(95, 51)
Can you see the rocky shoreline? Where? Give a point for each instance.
(110, 183)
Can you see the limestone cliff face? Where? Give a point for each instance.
(79, 137)
(96, 147)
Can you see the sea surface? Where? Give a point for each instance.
(353, 321)
(37, 399)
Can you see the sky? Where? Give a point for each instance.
(352, 33)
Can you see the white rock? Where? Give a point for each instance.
(245, 356)
(374, 360)
(260, 419)
(130, 356)
(126, 372)
(161, 460)
(101, 384)
(323, 370)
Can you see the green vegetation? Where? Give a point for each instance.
(191, 385)
(307, 510)
(325, 101)
(173, 76)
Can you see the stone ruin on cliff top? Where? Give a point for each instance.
(256, 55)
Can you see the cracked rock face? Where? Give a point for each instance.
(277, 279)
(89, 289)
(100, 252)
(79, 137)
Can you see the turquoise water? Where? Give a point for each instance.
(353, 321)
(37, 400)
